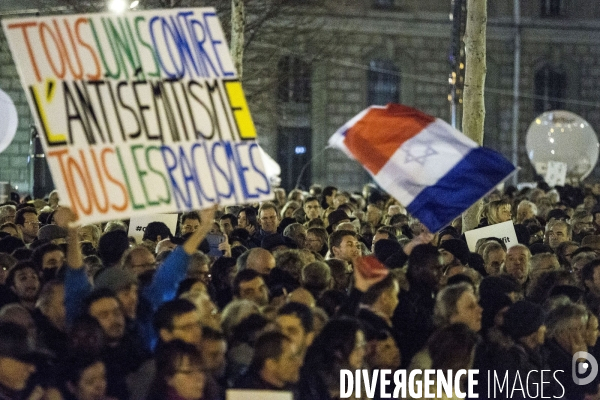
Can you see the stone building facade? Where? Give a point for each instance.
(313, 68)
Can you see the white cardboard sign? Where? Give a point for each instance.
(138, 224)
(258, 395)
(556, 173)
(504, 231)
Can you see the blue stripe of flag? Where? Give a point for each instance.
(470, 180)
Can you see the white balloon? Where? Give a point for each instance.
(8, 120)
(564, 137)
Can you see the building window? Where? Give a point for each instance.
(294, 80)
(383, 83)
(383, 3)
(550, 89)
(552, 8)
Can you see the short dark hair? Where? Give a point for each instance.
(156, 229)
(232, 218)
(190, 215)
(20, 215)
(335, 239)
(311, 198)
(267, 205)
(390, 230)
(300, 311)
(98, 294)
(244, 275)
(375, 291)
(269, 345)
(167, 312)
(21, 265)
(37, 257)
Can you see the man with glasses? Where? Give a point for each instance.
(583, 225)
(190, 221)
(27, 220)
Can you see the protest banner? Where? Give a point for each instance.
(138, 224)
(139, 113)
(504, 231)
(237, 394)
(556, 173)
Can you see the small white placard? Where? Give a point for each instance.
(241, 394)
(137, 224)
(504, 231)
(556, 173)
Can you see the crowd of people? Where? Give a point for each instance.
(285, 294)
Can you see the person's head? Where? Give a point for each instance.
(458, 304)
(89, 233)
(111, 247)
(247, 218)
(454, 252)
(51, 303)
(382, 297)
(565, 320)
(24, 281)
(156, 231)
(124, 284)
(6, 263)
(259, 260)
(296, 232)
(424, 265)
(268, 217)
(316, 277)
(340, 345)
(190, 222)
(213, 350)
(178, 319)
(199, 267)
(16, 357)
(558, 232)
(27, 219)
(48, 256)
(7, 213)
(452, 347)
(518, 263)
(104, 306)
(590, 276)
(250, 285)
(288, 209)
(494, 256)
(276, 358)
(526, 210)
(179, 370)
(591, 331)
(84, 377)
(138, 260)
(524, 322)
(382, 351)
(312, 208)
(498, 211)
(564, 251)
(227, 223)
(295, 320)
(582, 223)
(344, 245)
(316, 238)
(543, 262)
(341, 271)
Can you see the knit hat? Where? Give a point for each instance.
(449, 230)
(111, 247)
(384, 248)
(51, 232)
(458, 249)
(115, 279)
(522, 319)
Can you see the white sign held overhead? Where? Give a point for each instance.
(556, 173)
(138, 224)
(8, 120)
(504, 231)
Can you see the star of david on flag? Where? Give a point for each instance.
(434, 170)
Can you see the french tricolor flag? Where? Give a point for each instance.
(434, 170)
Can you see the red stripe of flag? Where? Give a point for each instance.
(376, 136)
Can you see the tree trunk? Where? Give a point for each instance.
(473, 104)
(238, 23)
